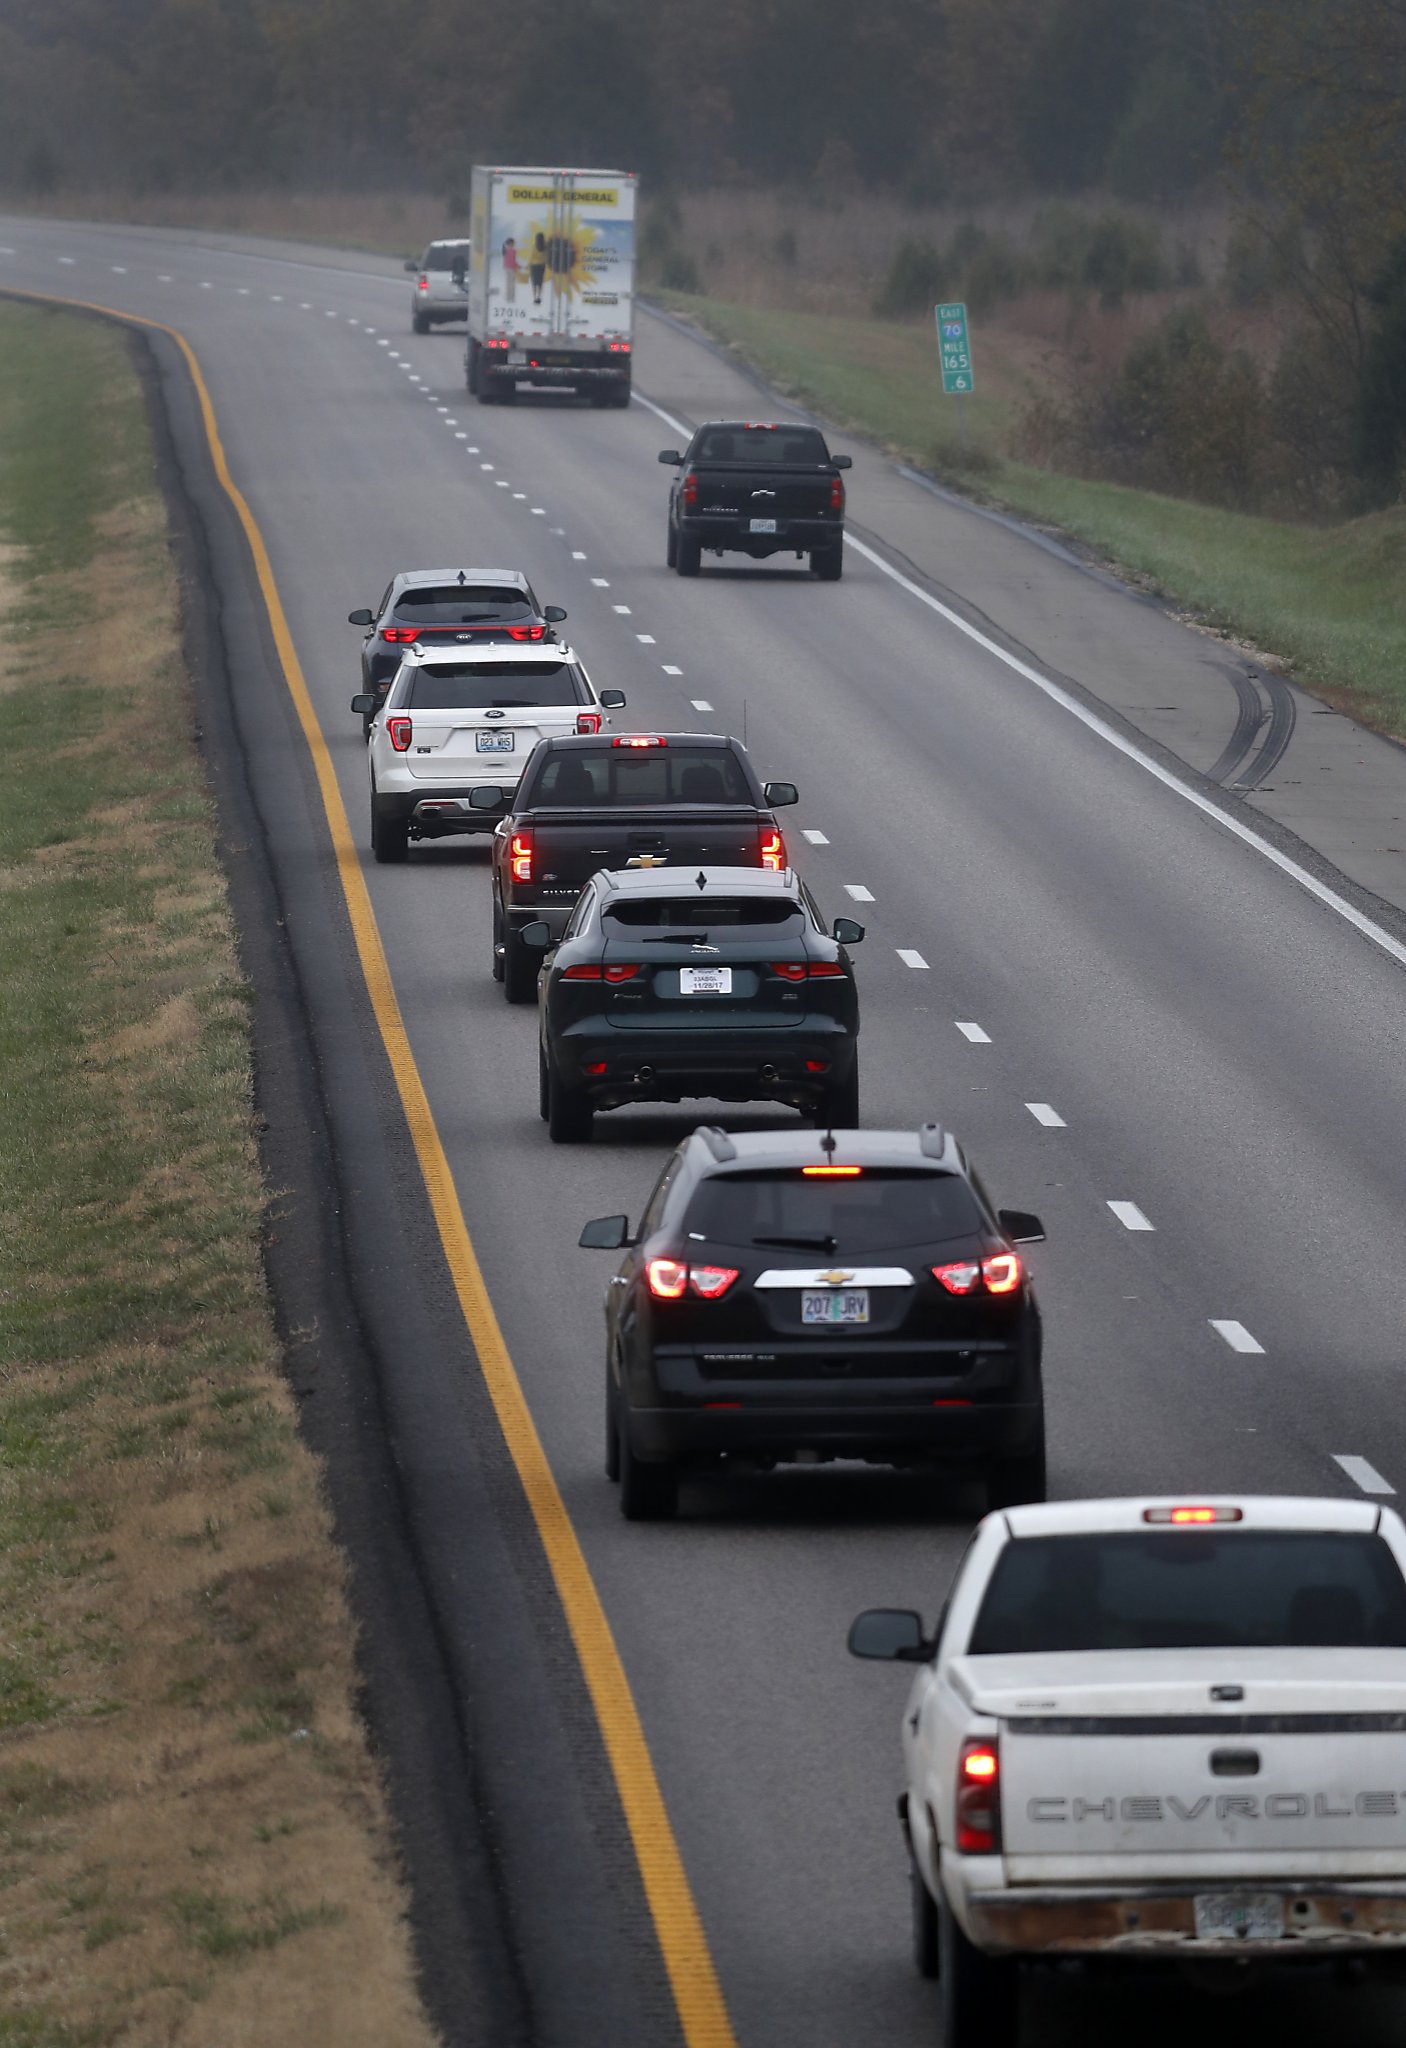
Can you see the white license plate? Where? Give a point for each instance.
(494, 742)
(705, 981)
(517, 355)
(845, 1305)
(763, 526)
(1239, 1916)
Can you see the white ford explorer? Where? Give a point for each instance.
(1152, 1731)
(449, 741)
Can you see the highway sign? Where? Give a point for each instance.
(954, 348)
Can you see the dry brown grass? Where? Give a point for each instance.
(194, 1846)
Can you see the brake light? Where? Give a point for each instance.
(712, 1282)
(1192, 1517)
(837, 495)
(1001, 1273)
(832, 1172)
(773, 850)
(806, 970)
(400, 636)
(520, 857)
(399, 730)
(638, 739)
(617, 971)
(588, 721)
(424, 283)
(689, 492)
(619, 348)
(667, 1278)
(961, 1278)
(526, 632)
(979, 1798)
(585, 970)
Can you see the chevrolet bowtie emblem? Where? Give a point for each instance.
(835, 1278)
(648, 860)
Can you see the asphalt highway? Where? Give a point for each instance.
(1145, 1028)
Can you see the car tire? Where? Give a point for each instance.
(497, 941)
(471, 361)
(390, 837)
(688, 554)
(980, 1994)
(519, 970)
(648, 1493)
(829, 563)
(569, 1112)
(612, 1427)
(671, 547)
(1015, 1482)
(926, 1955)
(544, 1100)
(419, 324)
(620, 395)
(837, 1108)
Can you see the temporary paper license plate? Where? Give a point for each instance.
(705, 981)
(842, 1305)
(763, 526)
(494, 742)
(1239, 1916)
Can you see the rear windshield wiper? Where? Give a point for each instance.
(801, 1244)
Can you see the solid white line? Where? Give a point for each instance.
(1236, 1335)
(909, 957)
(1043, 1114)
(1130, 1216)
(645, 639)
(859, 892)
(700, 703)
(1362, 1474)
(669, 670)
(815, 838)
(1329, 898)
(973, 1032)
(623, 609)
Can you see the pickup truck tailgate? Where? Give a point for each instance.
(572, 846)
(772, 494)
(1120, 1762)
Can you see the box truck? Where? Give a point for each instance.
(551, 282)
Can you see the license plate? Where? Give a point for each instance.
(1239, 1916)
(705, 981)
(494, 742)
(845, 1305)
(763, 526)
(517, 355)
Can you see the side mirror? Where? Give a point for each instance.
(364, 704)
(606, 1234)
(779, 794)
(487, 797)
(670, 455)
(537, 936)
(841, 462)
(409, 267)
(847, 931)
(361, 618)
(1021, 1227)
(612, 700)
(892, 1634)
(553, 614)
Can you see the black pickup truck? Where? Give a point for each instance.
(621, 800)
(757, 488)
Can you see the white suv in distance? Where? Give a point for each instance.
(451, 739)
(441, 290)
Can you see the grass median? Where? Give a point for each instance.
(193, 1843)
(1328, 601)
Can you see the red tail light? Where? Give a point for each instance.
(712, 1282)
(979, 1798)
(639, 739)
(400, 636)
(619, 971)
(837, 495)
(399, 730)
(619, 348)
(520, 857)
(773, 850)
(998, 1274)
(526, 632)
(592, 970)
(806, 970)
(1001, 1273)
(424, 283)
(689, 493)
(667, 1279)
(588, 721)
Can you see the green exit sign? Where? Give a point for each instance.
(954, 347)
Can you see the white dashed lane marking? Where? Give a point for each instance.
(486, 465)
(539, 511)
(502, 483)
(623, 609)
(815, 838)
(859, 892)
(462, 436)
(6, 252)
(205, 285)
(669, 669)
(1362, 1474)
(1130, 1216)
(645, 639)
(700, 703)
(577, 555)
(522, 495)
(1043, 1114)
(909, 957)
(1236, 1335)
(601, 582)
(70, 260)
(119, 270)
(973, 1032)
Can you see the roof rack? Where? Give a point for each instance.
(932, 1140)
(718, 1142)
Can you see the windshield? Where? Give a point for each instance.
(654, 775)
(460, 604)
(444, 255)
(1193, 1589)
(882, 1210)
(760, 447)
(473, 686)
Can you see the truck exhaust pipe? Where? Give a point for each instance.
(770, 1076)
(644, 1077)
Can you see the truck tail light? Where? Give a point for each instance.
(999, 1274)
(588, 721)
(688, 494)
(979, 1797)
(526, 632)
(837, 494)
(399, 730)
(400, 636)
(772, 848)
(639, 739)
(520, 856)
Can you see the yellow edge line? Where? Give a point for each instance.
(692, 1974)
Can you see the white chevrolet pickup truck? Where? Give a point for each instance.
(1153, 1731)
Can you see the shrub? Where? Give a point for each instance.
(1187, 415)
(1310, 418)
(916, 280)
(1259, 261)
(1112, 255)
(996, 272)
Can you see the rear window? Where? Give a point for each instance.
(761, 446)
(473, 686)
(461, 604)
(883, 1210)
(702, 913)
(444, 255)
(654, 775)
(1175, 1589)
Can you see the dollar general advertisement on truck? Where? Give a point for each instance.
(551, 282)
